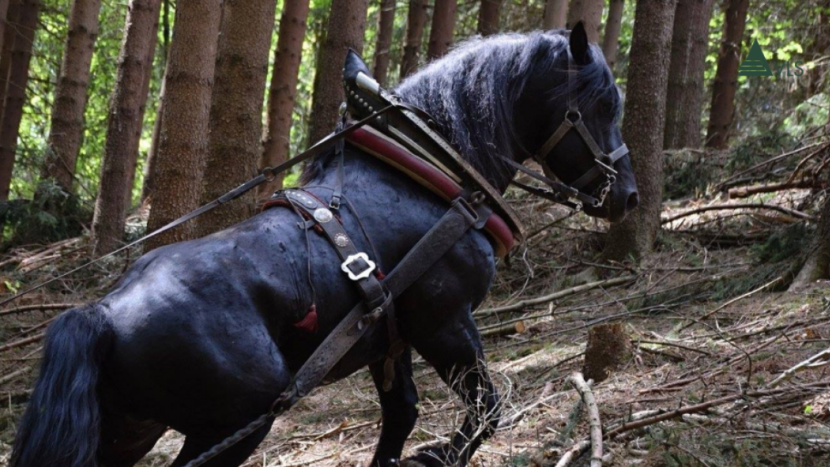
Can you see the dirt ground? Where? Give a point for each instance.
(710, 323)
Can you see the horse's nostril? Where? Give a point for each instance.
(632, 202)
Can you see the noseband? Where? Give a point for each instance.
(603, 163)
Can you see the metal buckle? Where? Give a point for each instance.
(370, 266)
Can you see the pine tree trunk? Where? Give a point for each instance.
(9, 33)
(645, 110)
(726, 78)
(346, 27)
(818, 256)
(66, 133)
(183, 146)
(4, 18)
(135, 61)
(16, 91)
(416, 21)
(488, 17)
(147, 186)
(590, 13)
(145, 91)
(386, 27)
(442, 29)
(283, 92)
(683, 71)
(556, 14)
(692, 98)
(235, 137)
(610, 41)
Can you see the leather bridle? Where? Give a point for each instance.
(603, 163)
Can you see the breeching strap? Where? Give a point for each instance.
(267, 174)
(429, 249)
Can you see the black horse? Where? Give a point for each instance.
(201, 336)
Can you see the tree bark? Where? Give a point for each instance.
(386, 27)
(147, 186)
(4, 9)
(442, 29)
(726, 79)
(235, 137)
(179, 165)
(685, 74)
(135, 61)
(488, 17)
(67, 131)
(346, 27)
(283, 93)
(645, 110)
(12, 17)
(416, 21)
(818, 260)
(21, 54)
(590, 13)
(610, 41)
(556, 14)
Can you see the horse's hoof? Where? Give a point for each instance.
(422, 459)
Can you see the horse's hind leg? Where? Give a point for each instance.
(398, 406)
(455, 351)
(124, 440)
(231, 457)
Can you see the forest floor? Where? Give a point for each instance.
(708, 315)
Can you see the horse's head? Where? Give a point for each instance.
(587, 97)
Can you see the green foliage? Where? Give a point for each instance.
(783, 245)
(51, 215)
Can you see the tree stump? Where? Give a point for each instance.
(609, 347)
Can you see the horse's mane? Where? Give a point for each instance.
(471, 92)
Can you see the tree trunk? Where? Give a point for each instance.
(16, 91)
(726, 78)
(147, 186)
(818, 260)
(610, 41)
(346, 27)
(556, 14)
(416, 21)
(182, 154)
(488, 17)
(645, 110)
(132, 161)
(590, 13)
(609, 347)
(283, 93)
(12, 17)
(818, 46)
(442, 29)
(693, 94)
(67, 131)
(386, 27)
(135, 62)
(235, 137)
(683, 72)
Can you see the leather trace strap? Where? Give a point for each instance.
(435, 244)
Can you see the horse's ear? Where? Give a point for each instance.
(580, 49)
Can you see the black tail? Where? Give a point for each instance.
(61, 426)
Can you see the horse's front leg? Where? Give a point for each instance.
(398, 408)
(457, 355)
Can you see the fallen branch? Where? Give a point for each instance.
(816, 361)
(42, 306)
(13, 375)
(593, 417)
(747, 191)
(22, 342)
(774, 159)
(554, 296)
(734, 300)
(723, 207)
(505, 330)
